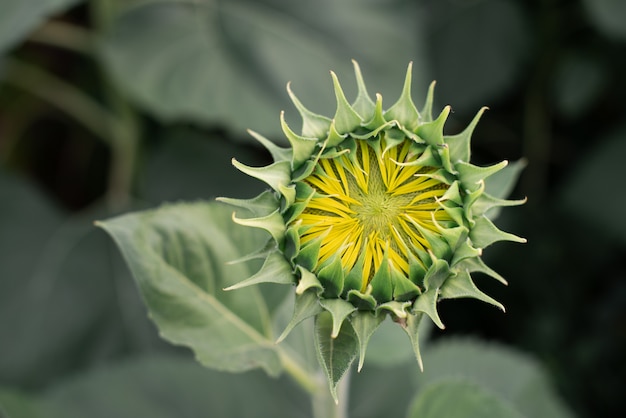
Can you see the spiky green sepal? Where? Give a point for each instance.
(349, 282)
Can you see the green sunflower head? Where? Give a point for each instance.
(373, 213)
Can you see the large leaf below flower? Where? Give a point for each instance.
(159, 387)
(178, 257)
(460, 399)
(19, 17)
(503, 375)
(227, 61)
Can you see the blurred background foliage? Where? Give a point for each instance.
(108, 106)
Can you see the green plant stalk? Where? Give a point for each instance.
(116, 126)
(322, 402)
(125, 136)
(125, 140)
(68, 98)
(324, 405)
(300, 375)
(64, 35)
(537, 128)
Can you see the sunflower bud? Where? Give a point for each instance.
(373, 213)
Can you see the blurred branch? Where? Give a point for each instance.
(68, 98)
(537, 125)
(126, 136)
(114, 124)
(64, 35)
(125, 140)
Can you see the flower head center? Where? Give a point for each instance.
(378, 211)
(373, 205)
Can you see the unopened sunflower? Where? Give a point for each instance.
(373, 213)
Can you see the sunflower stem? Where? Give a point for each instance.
(322, 401)
(299, 374)
(65, 96)
(64, 35)
(324, 406)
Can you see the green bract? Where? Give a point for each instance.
(372, 213)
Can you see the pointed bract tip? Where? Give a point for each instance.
(281, 337)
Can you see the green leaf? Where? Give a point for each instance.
(14, 404)
(462, 286)
(276, 175)
(339, 310)
(411, 327)
(432, 132)
(404, 110)
(346, 119)
(363, 103)
(272, 223)
(162, 387)
(501, 183)
(24, 233)
(20, 17)
(486, 233)
(228, 61)
(499, 186)
(302, 147)
(460, 144)
(389, 334)
(381, 282)
(365, 324)
(460, 399)
(178, 256)
(261, 205)
(507, 373)
(275, 269)
(608, 16)
(331, 276)
(471, 175)
(305, 306)
(427, 303)
(334, 354)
